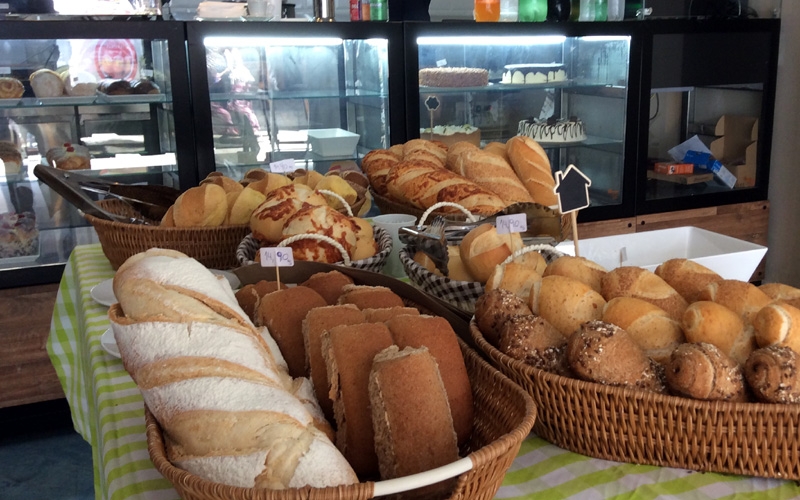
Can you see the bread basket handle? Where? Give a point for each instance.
(318, 237)
(532, 248)
(470, 216)
(339, 197)
(420, 479)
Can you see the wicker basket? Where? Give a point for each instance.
(214, 247)
(504, 415)
(641, 427)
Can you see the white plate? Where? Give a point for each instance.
(109, 343)
(103, 293)
(232, 278)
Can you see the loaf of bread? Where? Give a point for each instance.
(318, 321)
(454, 152)
(493, 173)
(267, 182)
(329, 284)
(212, 383)
(349, 351)
(712, 323)
(773, 374)
(579, 268)
(403, 385)
(778, 323)
(741, 297)
(494, 308)
(370, 297)
(650, 326)
(631, 281)
(497, 148)
(46, 83)
(702, 371)
(514, 277)
(376, 165)
(249, 296)
(384, 314)
(566, 303)
(604, 353)
(534, 341)
(687, 277)
(436, 334)
(532, 166)
(424, 150)
(785, 293)
(202, 206)
(483, 249)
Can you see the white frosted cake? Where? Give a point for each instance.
(528, 74)
(553, 130)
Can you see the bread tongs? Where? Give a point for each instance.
(152, 201)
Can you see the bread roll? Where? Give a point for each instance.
(494, 308)
(712, 323)
(778, 324)
(384, 314)
(493, 173)
(532, 166)
(436, 334)
(483, 249)
(266, 182)
(455, 151)
(223, 181)
(283, 312)
(773, 374)
(404, 385)
(241, 205)
(629, 281)
(785, 293)
(534, 341)
(328, 284)
(349, 351)
(46, 83)
(566, 303)
(11, 88)
(579, 268)
(370, 297)
(702, 371)
(741, 297)
(517, 278)
(650, 326)
(318, 321)
(456, 268)
(687, 277)
(604, 353)
(202, 206)
(320, 220)
(533, 260)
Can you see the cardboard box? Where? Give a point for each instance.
(731, 258)
(673, 168)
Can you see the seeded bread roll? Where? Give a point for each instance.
(534, 341)
(566, 303)
(773, 374)
(706, 321)
(779, 291)
(630, 281)
(650, 326)
(370, 297)
(605, 353)
(579, 268)
(384, 314)
(703, 371)
(687, 277)
(404, 385)
(778, 324)
(494, 308)
(741, 297)
(328, 284)
(517, 278)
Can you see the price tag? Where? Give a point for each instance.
(282, 166)
(514, 223)
(4, 70)
(441, 62)
(276, 257)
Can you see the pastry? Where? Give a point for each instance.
(702, 371)
(773, 374)
(11, 88)
(553, 130)
(69, 157)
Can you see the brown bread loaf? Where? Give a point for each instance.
(741, 297)
(498, 148)
(566, 303)
(706, 321)
(494, 308)
(687, 277)
(249, 296)
(649, 326)
(631, 281)
(579, 268)
(370, 297)
(780, 291)
(376, 165)
(534, 341)
(384, 314)
(778, 324)
(702, 371)
(202, 206)
(773, 374)
(328, 284)
(532, 166)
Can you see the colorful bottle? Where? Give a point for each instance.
(530, 11)
(487, 11)
(508, 10)
(587, 10)
(378, 10)
(355, 10)
(558, 10)
(601, 10)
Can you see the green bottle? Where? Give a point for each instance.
(601, 10)
(378, 10)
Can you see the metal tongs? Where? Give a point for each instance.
(429, 239)
(152, 201)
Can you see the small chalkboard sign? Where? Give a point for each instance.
(572, 189)
(432, 103)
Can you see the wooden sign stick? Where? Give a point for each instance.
(574, 218)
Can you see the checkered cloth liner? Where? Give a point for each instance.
(461, 294)
(249, 246)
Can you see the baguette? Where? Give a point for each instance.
(532, 166)
(493, 173)
(455, 151)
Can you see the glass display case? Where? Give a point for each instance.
(709, 87)
(569, 86)
(288, 95)
(109, 98)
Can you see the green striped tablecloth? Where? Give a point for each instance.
(107, 411)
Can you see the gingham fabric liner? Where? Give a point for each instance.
(461, 294)
(247, 249)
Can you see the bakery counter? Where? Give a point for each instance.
(107, 410)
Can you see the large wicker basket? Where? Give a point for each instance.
(504, 415)
(628, 425)
(214, 247)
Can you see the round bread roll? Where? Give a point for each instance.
(578, 268)
(702, 371)
(11, 88)
(687, 277)
(454, 153)
(46, 83)
(482, 249)
(309, 178)
(202, 206)
(517, 278)
(241, 205)
(225, 182)
(493, 309)
(533, 260)
(785, 293)
(649, 326)
(630, 281)
(712, 323)
(534, 341)
(605, 353)
(267, 182)
(773, 374)
(741, 297)
(322, 220)
(532, 166)
(566, 303)
(778, 324)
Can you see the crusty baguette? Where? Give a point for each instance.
(532, 166)
(493, 173)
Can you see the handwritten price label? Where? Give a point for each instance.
(514, 223)
(441, 63)
(276, 257)
(282, 166)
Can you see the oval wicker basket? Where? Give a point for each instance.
(214, 247)
(627, 425)
(504, 415)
